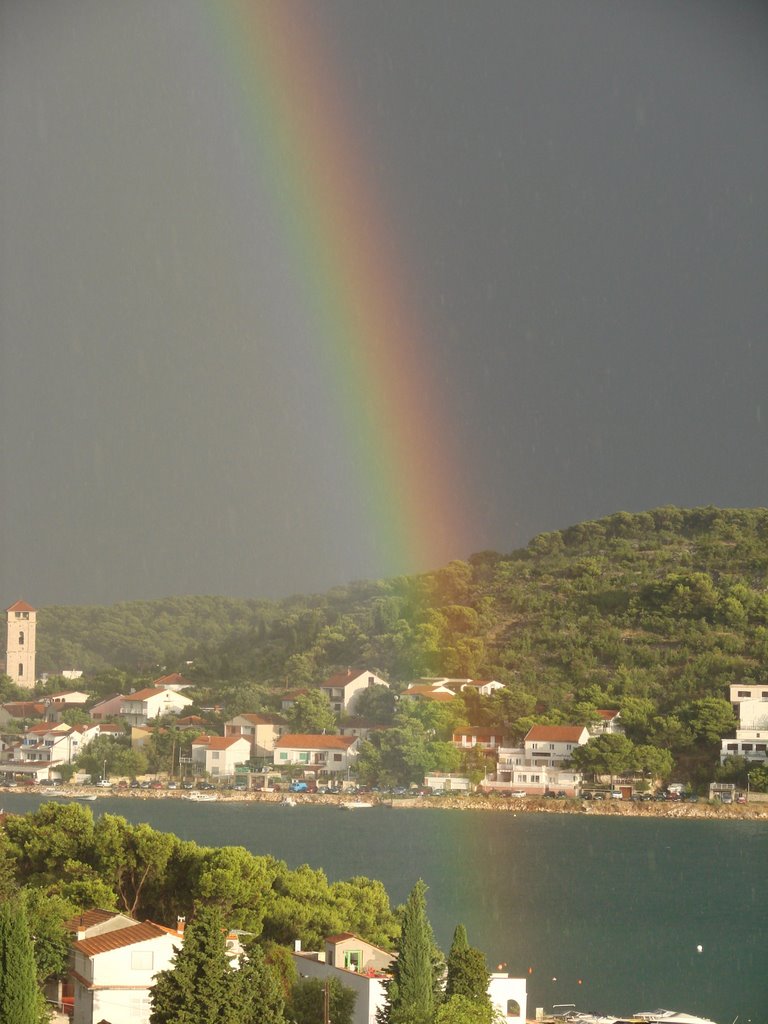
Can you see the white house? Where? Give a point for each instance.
(344, 689)
(66, 697)
(474, 737)
(485, 687)
(537, 767)
(325, 755)
(747, 691)
(362, 967)
(44, 746)
(553, 744)
(750, 701)
(608, 724)
(112, 972)
(139, 707)
(218, 755)
(261, 731)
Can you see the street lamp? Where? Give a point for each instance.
(104, 773)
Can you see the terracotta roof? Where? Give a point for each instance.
(556, 733)
(315, 742)
(88, 919)
(342, 678)
(341, 937)
(608, 715)
(153, 691)
(24, 708)
(118, 938)
(21, 606)
(190, 720)
(174, 679)
(293, 694)
(218, 742)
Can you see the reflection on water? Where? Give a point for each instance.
(606, 913)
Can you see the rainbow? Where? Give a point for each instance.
(376, 356)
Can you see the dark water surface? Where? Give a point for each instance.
(618, 904)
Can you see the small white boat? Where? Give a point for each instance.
(87, 796)
(201, 797)
(353, 805)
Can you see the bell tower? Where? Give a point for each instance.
(20, 643)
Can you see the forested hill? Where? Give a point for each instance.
(669, 604)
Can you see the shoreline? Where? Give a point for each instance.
(469, 802)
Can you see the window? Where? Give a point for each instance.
(535, 778)
(18, 615)
(21, 669)
(513, 1008)
(214, 755)
(283, 756)
(760, 746)
(142, 960)
(370, 681)
(337, 757)
(746, 746)
(732, 746)
(743, 693)
(765, 694)
(551, 746)
(21, 638)
(353, 959)
(304, 755)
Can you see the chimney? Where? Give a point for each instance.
(80, 932)
(180, 922)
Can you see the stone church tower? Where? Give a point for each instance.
(20, 643)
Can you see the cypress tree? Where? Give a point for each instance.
(197, 989)
(411, 989)
(19, 995)
(467, 972)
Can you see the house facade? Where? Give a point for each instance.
(471, 738)
(261, 731)
(219, 755)
(112, 973)
(344, 689)
(609, 724)
(362, 967)
(154, 702)
(750, 702)
(323, 755)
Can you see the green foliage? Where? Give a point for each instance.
(46, 914)
(460, 1009)
(661, 608)
(307, 1002)
(20, 1001)
(312, 713)
(412, 988)
(467, 972)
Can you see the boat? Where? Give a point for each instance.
(200, 797)
(287, 801)
(352, 805)
(90, 797)
(640, 1017)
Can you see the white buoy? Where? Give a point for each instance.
(699, 949)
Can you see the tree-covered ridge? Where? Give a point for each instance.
(669, 604)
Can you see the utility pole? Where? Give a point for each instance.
(327, 1001)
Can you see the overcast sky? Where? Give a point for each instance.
(574, 192)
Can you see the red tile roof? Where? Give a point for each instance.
(218, 742)
(315, 742)
(21, 606)
(119, 938)
(174, 679)
(24, 708)
(262, 719)
(479, 733)
(88, 919)
(608, 715)
(150, 691)
(555, 733)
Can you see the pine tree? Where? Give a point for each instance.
(203, 988)
(198, 988)
(411, 991)
(467, 973)
(20, 1001)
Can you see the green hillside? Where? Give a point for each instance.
(669, 604)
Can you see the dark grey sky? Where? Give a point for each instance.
(577, 190)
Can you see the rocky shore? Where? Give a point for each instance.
(463, 802)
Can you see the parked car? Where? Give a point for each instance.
(156, 784)
(172, 785)
(134, 784)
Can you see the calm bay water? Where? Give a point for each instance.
(604, 912)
